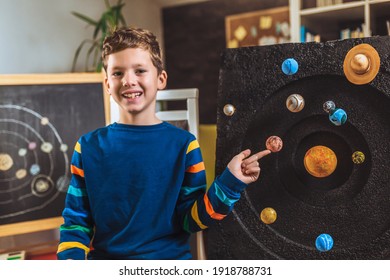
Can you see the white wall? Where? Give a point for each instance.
(41, 36)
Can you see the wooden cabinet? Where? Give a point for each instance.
(356, 18)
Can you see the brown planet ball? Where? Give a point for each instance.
(274, 144)
(295, 103)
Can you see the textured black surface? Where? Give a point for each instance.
(353, 203)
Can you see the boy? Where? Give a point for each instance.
(138, 187)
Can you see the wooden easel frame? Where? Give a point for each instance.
(48, 79)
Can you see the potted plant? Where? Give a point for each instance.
(110, 19)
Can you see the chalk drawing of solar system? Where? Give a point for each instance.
(34, 165)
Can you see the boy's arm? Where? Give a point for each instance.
(199, 206)
(77, 230)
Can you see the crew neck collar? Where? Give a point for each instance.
(138, 127)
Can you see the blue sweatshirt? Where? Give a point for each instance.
(137, 192)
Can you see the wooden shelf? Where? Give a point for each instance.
(326, 15)
(328, 21)
(344, 8)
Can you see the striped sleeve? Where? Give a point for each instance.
(201, 206)
(77, 230)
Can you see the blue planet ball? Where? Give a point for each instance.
(338, 116)
(290, 66)
(324, 242)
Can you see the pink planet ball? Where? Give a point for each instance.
(274, 144)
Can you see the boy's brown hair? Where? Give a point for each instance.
(130, 37)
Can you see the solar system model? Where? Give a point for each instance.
(322, 109)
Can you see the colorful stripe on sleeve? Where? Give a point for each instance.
(77, 230)
(213, 206)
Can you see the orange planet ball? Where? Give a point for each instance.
(320, 161)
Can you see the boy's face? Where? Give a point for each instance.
(132, 81)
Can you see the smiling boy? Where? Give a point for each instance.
(138, 187)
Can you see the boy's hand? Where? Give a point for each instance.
(246, 167)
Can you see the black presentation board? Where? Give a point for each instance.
(352, 204)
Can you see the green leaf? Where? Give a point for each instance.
(116, 11)
(90, 50)
(97, 60)
(99, 66)
(109, 20)
(122, 20)
(77, 53)
(85, 18)
(97, 29)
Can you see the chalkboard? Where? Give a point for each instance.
(41, 118)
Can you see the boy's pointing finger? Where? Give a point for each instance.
(255, 157)
(262, 154)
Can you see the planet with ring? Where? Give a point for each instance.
(361, 64)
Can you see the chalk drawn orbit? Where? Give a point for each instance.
(34, 161)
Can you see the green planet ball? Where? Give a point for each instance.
(358, 157)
